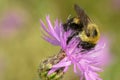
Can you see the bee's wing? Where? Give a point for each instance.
(83, 16)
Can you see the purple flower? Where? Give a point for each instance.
(86, 64)
(11, 22)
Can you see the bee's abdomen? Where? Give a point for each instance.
(86, 45)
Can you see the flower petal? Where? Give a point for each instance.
(51, 28)
(62, 64)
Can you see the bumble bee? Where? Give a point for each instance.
(84, 28)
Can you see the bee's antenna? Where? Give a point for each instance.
(68, 16)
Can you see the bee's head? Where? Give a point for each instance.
(90, 34)
(75, 24)
(74, 20)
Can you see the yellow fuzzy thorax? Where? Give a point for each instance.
(90, 39)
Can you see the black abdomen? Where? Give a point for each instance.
(86, 45)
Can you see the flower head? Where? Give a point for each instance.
(86, 64)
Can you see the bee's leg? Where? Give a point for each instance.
(71, 36)
(65, 27)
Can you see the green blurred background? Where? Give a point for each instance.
(21, 45)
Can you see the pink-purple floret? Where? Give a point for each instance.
(86, 64)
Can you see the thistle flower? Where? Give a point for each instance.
(86, 64)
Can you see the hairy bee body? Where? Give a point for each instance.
(74, 24)
(89, 40)
(82, 27)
